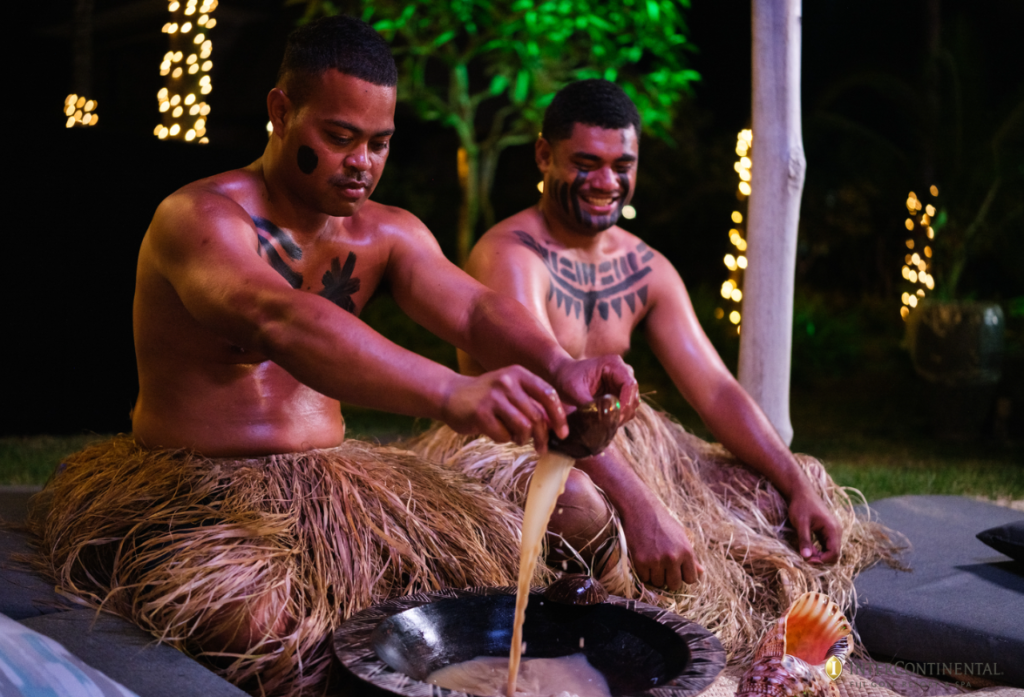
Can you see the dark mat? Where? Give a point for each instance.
(961, 609)
(22, 592)
(14, 502)
(130, 656)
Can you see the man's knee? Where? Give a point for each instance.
(582, 516)
(242, 625)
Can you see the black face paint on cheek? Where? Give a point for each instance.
(627, 194)
(582, 217)
(561, 192)
(307, 159)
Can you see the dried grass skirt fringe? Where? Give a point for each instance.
(735, 520)
(186, 546)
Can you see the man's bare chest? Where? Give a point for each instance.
(346, 271)
(594, 306)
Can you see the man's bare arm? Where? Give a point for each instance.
(659, 547)
(493, 328)
(203, 244)
(730, 413)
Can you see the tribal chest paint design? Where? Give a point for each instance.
(611, 286)
(339, 285)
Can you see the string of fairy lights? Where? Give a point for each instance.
(731, 289)
(917, 263)
(186, 69)
(80, 111)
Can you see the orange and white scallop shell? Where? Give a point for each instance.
(793, 657)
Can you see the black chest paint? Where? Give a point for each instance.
(339, 281)
(580, 289)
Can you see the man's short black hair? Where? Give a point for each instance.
(346, 44)
(590, 102)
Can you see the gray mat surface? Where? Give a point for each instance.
(963, 603)
(109, 644)
(130, 656)
(22, 593)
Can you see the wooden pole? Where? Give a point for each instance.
(777, 181)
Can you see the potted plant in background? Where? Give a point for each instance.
(956, 342)
(958, 132)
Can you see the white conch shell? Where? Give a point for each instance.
(790, 660)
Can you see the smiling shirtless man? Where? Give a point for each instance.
(238, 519)
(592, 284)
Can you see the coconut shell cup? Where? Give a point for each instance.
(591, 428)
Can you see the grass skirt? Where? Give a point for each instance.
(735, 519)
(185, 546)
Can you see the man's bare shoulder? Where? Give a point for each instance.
(390, 220)
(521, 237)
(202, 204)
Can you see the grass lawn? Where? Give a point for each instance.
(856, 404)
(866, 453)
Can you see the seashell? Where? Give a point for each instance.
(576, 589)
(591, 428)
(790, 659)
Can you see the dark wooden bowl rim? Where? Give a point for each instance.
(353, 646)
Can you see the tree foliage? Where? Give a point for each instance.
(489, 68)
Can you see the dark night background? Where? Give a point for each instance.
(80, 199)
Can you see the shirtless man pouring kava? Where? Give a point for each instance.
(237, 520)
(757, 522)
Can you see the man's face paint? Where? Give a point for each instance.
(340, 138)
(307, 159)
(591, 176)
(569, 200)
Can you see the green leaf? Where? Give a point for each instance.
(522, 87)
(443, 38)
(499, 84)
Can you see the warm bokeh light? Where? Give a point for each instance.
(917, 265)
(628, 212)
(730, 289)
(80, 111)
(178, 100)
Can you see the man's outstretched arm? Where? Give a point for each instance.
(203, 245)
(496, 330)
(731, 414)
